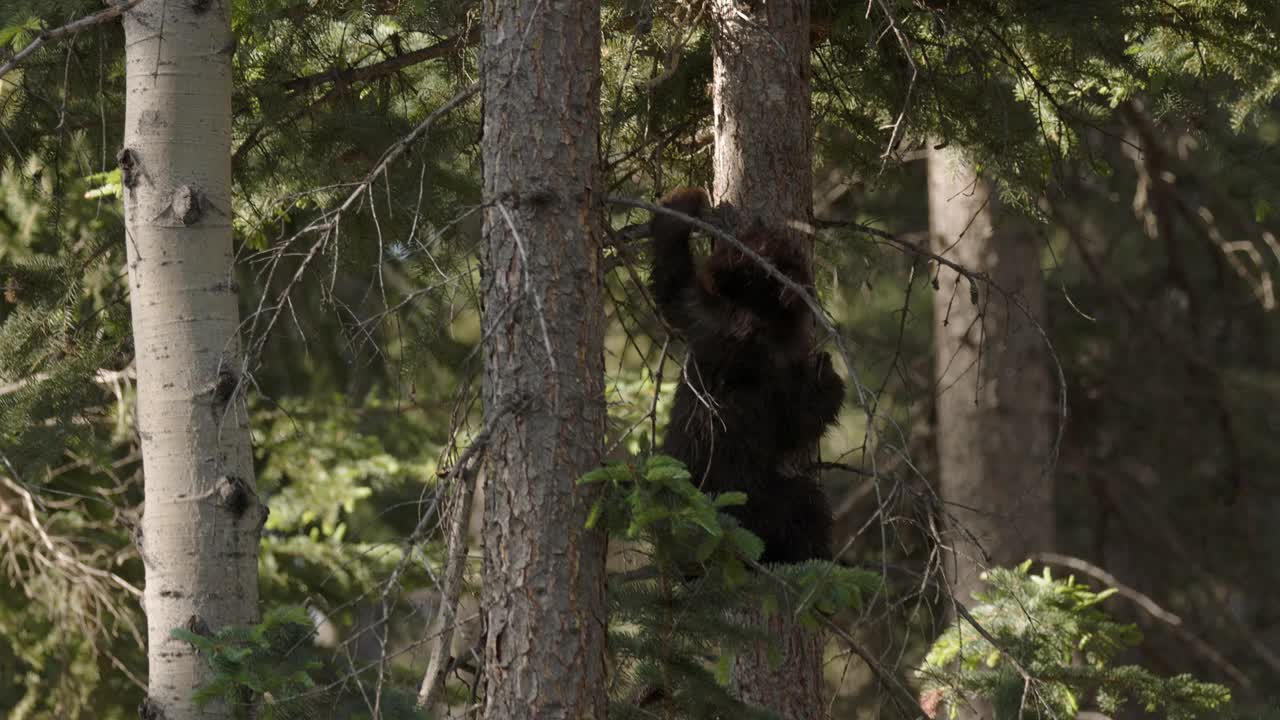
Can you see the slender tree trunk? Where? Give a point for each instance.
(993, 395)
(199, 533)
(544, 599)
(763, 168)
(763, 130)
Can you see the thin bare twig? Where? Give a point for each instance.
(328, 222)
(442, 625)
(975, 277)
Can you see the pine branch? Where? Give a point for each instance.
(386, 67)
(71, 28)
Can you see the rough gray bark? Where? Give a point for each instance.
(763, 129)
(795, 687)
(994, 402)
(763, 168)
(199, 532)
(543, 599)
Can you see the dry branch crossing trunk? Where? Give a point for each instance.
(544, 598)
(200, 523)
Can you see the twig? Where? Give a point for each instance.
(385, 67)
(843, 467)
(101, 377)
(328, 221)
(341, 81)
(442, 625)
(59, 554)
(528, 285)
(71, 28)
(975, 277)
(963, 612)
(897, 127)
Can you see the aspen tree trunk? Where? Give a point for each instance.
(994, 401)
(544, 593)
(763, 168)
(199, 531)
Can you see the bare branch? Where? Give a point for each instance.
(328, 222)
(385, 67)
(101, 377)
(456, 558)
(47, 36)
(975, 277)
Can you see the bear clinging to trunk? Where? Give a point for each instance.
(753, 390)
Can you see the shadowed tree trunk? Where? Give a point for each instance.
(763, 168)
(200, 523)
(544, 599)
(994, 402)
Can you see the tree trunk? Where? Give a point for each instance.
(993, 395)
(544, 598)
(763, 130)
(199, 533)
(763, 168)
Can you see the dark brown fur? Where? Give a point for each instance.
(752, 391)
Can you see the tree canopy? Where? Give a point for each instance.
(1141, 139)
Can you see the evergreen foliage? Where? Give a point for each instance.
(54, 342)
(672, 628)
(327, 468)
(269, 671)
(673, 631)
(1047, 650)
(1169, 351)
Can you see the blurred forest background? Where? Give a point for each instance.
(1135, 146)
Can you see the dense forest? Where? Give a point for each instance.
(639, 359)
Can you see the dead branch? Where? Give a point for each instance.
(442, 625)
(47, 36)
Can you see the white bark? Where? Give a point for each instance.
(201, 517)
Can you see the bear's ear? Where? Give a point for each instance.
(688, 200)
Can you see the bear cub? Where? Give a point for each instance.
(753, 392)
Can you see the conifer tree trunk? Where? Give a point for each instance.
(544, 598)
(199, 531)
(763, 168)
(994, 403)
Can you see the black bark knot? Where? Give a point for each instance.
(128, 161)
(224, 388)
(234, 494)
(263, 514)
(533, 199)
(199, 7)
(138, 540)
(188, 204)
(197, 626)
(149, 709)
